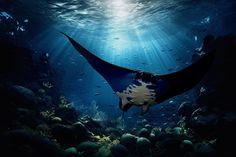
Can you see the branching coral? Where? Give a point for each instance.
(64, 103)
(106, 140)
(48, 85)
(48, 114)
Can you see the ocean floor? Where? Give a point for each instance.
(37, 121)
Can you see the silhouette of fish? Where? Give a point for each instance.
(145, 89)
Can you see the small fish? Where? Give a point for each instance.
(96, 94)
(171, 102)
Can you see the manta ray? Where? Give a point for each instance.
(144, 89)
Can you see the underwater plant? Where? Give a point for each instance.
(48, 114)
(106, 140)
(64, 103)
(48, 85)
(93, 111)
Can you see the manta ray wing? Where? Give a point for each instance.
(118, 77)
(185, 79)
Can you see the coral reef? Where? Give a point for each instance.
(40, 121)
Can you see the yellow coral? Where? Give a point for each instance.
(106, 140)
(115, 142)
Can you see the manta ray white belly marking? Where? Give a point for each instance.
(137, 94)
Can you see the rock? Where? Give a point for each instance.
(56, 120)
(204, 150)
(152, 138)
(104, 151)
(82, 129)
(119, 150)
(143, 145)
(72, 151)
(67, 113)
(27, 143)
(88, 148)
(144, 122)
(129, 141)
(156, 132)
(178, 131)
(92, 125)
(64, 134)
(70, 135)
(186, 145)
(114, 132)
(171, 144)
(144, 133)
(185, 109)
(148, 127)
(44, 129)
(27, 117)
(23, 97)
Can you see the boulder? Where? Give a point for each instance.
(71, 152)
(129, 141)
(27, 143)
(186, 145)
(204, 149)
(178, 131)
(67, 113)
(22, 97)
(143, 145)
(148, 127)
(119, 150)
(70, 135)
(88, 148)
(104, 151)
(144, 133)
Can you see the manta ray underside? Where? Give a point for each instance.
(142, 88)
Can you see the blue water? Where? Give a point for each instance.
(157, 36)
